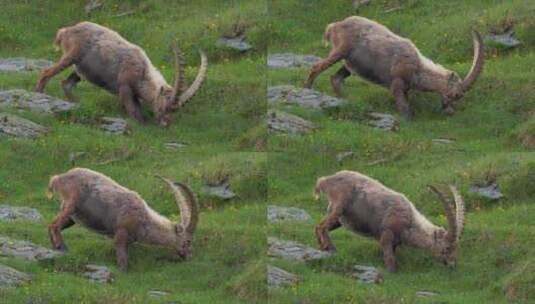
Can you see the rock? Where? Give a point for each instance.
(343, 155)
(442, 141)
(278, 278)
(15, 126)
(359, 3)
(426, 294)
(506, 39)
(74, 156)
(367, 274)
(236, 43)
(220, 190)
(276, 214)
(289, 60)
(10, 277)
(92, 5)
(10, 213)
(383, 121)
(98, 274)
(35, 102)
(293, 251)
(175, 145)
(283, 122)
(308, 98)
(19, 64)
(491, 191)
(114, 125)
(26, 250)
(157, 293)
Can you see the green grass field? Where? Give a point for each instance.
(224, 128)
(493, 133)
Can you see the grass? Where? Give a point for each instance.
(222, 126)
(492, 132)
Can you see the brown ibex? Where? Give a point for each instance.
(102, 205)
(364, 205)
(375, 53)
(107, 60)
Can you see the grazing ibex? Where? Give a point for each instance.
(100, 204)
(364, 205)
(375, 53)
(107, 60)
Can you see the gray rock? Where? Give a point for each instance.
(26, 250)
(343, 155)
(98, 274)
(289, 60)
(359, 3)
(491, 191)
(175, 145)
(157, 293)
(383, 121)
(236, 43)
(19, 64)
(220, 190)
(367, 274)
(293, 251)
(283, 122)
(35, 102)
(10, 277)
(114, 125)
(15, 126)
(442, 141)
(10, 213)
(74, 156)
(92, 5)
(308, 98)
(277, 277)
(506, 39)
(426, 294)
(276, 214)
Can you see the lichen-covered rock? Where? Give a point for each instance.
(20, 64)
(98, 274)
(289, 60)
(293, 251)
(491, 191)
(426, 294)
(26, 250)
(15, 126)
(276, 214)
(114, 125)
(383, 121)
(35, 102)
(340, 157)
(220, 190)
(10, 277)
(283, 122)
(308, 98)
(157, 293)
(367, 274)
(11, 213)
(506, 40)
(236, 43)
(277, 277)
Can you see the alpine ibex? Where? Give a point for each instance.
(102, 205)
(375, 53)
(107, 60)
(364, 205)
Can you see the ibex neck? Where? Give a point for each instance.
(159, 230)
(432, 77)
(421, 234)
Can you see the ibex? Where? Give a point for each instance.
(107, 60)
(375, 53)
(102, 205)
(364, 205)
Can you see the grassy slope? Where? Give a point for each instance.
(224, 117)
(495, 264)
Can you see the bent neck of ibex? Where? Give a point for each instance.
(159, 231)
(422, 233)
(152, 85)
(432, 77)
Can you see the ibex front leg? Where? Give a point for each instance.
(321, 66)
(47, 74)
(329, 223)
(387, 245)
(62, 221)
(121, 248)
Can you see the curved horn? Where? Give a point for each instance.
(187, 204)
(452, 223)
(201, 76)
(459, 211)
(477, 63)
(180, 63)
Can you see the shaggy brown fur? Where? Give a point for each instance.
(107, 60)
(380, 56)
(100, 204)
(364, 205)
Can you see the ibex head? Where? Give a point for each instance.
(446, 242)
